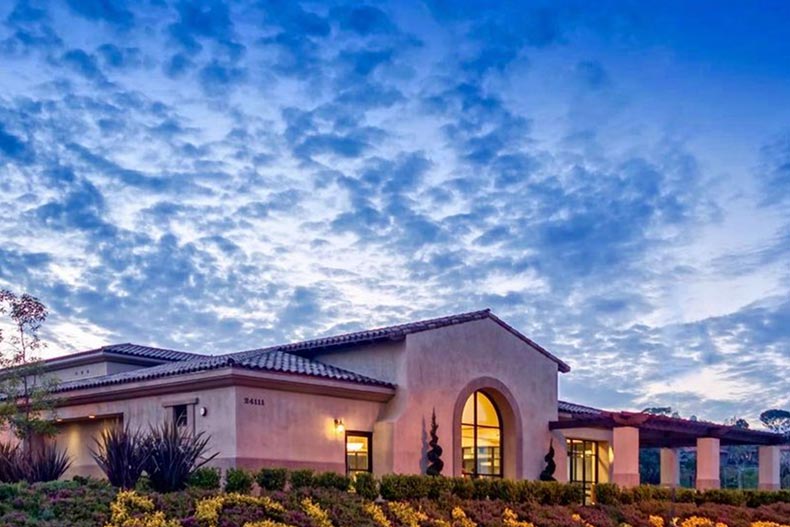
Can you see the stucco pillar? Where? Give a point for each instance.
(625, 443)
(708, 460)
(670, 467)
(768, 478)
(560, 456)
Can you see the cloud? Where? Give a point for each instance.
(239, 174)
(111, 11)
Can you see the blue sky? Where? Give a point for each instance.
(613, 179)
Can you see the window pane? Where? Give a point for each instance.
(358, 453)
(486, 413)
(468, 417)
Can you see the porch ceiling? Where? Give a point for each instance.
(669, 432)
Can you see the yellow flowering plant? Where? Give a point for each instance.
(377, 514)
(510, 519)
(207, 510)
(318, 515)
(129, 509)
(406, 514)
(460, 519)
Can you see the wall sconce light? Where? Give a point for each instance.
(203, 411)
(91, 417)
(339, 426)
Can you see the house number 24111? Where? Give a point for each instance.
(253, 401)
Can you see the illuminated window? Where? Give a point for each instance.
(358, 452)
(481, 437)
(583, 464)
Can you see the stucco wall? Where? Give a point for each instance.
(141, 412)
(297, 430)
(438, 368)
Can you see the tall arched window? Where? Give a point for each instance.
(481, 437)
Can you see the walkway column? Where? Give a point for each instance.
(708, 461)
(625, 443)
(670, 467)
(768, 478)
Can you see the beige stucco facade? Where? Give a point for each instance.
(293, 406)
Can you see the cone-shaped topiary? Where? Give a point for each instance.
(434, 455)
(551, 466)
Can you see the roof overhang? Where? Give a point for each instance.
(670, 432)
(224, 377)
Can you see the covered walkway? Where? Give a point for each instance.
(627, 432)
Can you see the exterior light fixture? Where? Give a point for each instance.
(203, 411)
(339, 426)
(91, 417)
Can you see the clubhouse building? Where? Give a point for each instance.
(363, 402)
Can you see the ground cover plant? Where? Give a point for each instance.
(87, 502)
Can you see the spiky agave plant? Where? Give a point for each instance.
(122, 455)
(46, 463)
(12, 468)
(174, 454)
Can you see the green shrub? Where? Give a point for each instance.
(404, 487)
(272, 478)
(332, 480)
(464, 488)
(722, 497)
(439, 486)
(365, 485)
(207, 478)
(302, 478)
(606, 494)
(238, 480)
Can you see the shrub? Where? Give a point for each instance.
(332, 480)
(174, 456)
(365, 485)
(272, 478)
(302, 478)
(47, 463)
(606, 494)
(238, 480)
(207, 478)
(11, 464)
(404, 487)
(121, 455)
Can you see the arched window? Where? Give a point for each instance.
(481, 437)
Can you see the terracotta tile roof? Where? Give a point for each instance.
(291, 358)
(263, 360)
(129, 350)
(577, 409)
(400, 331)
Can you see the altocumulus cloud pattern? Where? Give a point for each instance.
(612, 179)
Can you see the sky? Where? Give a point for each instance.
(611, 178)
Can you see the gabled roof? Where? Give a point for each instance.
(127, 350)
(263, 360)
(400, 331)
(294, 358)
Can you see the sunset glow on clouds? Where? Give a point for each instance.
(614, 181)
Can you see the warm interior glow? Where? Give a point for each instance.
(91, 417)
(481, 437)
(339, 426)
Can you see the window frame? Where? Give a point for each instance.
(587, 484)
(475, 426)
(369, 437)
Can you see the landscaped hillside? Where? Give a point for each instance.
(414, 502)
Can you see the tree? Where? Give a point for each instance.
(27, 404)
(776, 420)
(434, 454)
(739, 458)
